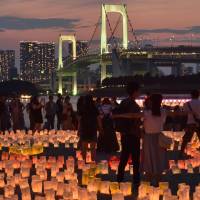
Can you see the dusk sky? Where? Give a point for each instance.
(44, 20)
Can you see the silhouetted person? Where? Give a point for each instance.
(5, 123)
(67, 115)
(147, 102)
(29, 109)
(108, 141)
(50, 109)
(154, 157)
(37, 113)
(193, 121)
(59, 110)
(98, 103)
(130, 136)
(114, 103)
(177, 120)
(17, 116)
(89, 122)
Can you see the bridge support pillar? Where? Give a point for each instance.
(116, 9)
(63, 38)
(74, 84)
(60, 84)
(103, 71)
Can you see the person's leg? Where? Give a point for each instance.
(84, 147)
(93, 150)
(198, 133)
(187, 138)
(52, 122)
(32, 125)
(135, 152)
(48, 124)
(58, 121)
(123, 158)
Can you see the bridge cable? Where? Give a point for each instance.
(132, 30)
(85, 51)
(93, 34)
(109, 24)
(113, 32)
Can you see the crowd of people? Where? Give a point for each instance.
(98, 120)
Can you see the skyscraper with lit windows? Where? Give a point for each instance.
(7, 61)
(37, 61)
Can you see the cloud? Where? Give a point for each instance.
(17, 23)
(187, 30)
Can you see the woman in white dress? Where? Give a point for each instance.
(154, 157)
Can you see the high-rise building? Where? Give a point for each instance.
(81, 47)
(7, 61)
(37, 61)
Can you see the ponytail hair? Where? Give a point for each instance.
(156, 101)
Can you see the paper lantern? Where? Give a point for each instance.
(67, 195)
(104, 187)
(54, 170)
(154, 194)
(23, 183)
(85, 177)
(17, 178)
(11, 181)
(118, 196)
(60, 176)
(126, 188)
(43, 174)
(143, 190)
(55, 183)
(25, 172)
(2, 182)
(48, 185)
(60, 189)
(9, 190)
(83, 194)
(49, 195)
(104, 167)
(39, 197)
(81, 164)
(26, 195)
(92, 195)
(92, 185)
(114, 187)
(36, 185)
(164, 186)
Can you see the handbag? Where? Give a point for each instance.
(164, 141)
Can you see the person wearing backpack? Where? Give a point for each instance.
(130, 135)
(193, 119)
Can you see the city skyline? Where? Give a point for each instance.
(44, 20)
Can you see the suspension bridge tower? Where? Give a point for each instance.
(107, 8)
(69, 38)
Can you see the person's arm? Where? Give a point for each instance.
(100, 126)
(176, 113)
(128, 115)
(79, 124)
(37, 106)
